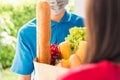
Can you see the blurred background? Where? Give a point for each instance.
(13, 15)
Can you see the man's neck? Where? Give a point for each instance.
(57, 17)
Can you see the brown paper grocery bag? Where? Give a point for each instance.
(47, 72)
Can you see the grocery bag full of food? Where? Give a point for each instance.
(53, 60)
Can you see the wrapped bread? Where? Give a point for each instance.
(43, 32)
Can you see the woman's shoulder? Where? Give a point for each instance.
(101, 71)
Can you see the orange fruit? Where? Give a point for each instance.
(81, 49)
(65, 63)
(65, 49)
(74, 61)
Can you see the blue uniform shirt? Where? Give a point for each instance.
(26, 46)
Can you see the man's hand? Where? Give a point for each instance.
(24, 77)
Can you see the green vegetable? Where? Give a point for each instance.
(76, 35)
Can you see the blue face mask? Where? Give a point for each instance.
(57, 5)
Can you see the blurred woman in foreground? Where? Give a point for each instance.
(102, 57)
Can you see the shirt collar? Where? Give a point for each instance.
(53, 23)
(33, 21)
(66, 18)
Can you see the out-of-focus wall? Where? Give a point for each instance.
(79, 7)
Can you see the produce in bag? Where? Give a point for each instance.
(73, 48)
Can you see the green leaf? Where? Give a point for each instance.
(76, 35)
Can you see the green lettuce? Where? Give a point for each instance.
(76, 35)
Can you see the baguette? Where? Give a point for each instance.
(43, 32)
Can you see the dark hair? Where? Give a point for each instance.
(103, 29)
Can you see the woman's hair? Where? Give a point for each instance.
(103, 29)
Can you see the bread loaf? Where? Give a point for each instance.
(43, 32)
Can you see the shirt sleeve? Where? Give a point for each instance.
(23, 60)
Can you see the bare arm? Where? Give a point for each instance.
(24, 77)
